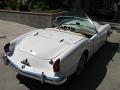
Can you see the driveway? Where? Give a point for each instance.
(102, 72)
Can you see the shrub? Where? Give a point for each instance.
(3, 4)
(23, 8)
(55, 3)
(32, 5)
(12, 4)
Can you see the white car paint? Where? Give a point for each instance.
(52, 46)
(42, 48)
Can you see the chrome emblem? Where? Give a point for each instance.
(25, 63)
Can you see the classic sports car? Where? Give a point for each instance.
(51, 55)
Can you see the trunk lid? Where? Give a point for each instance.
(47, 44)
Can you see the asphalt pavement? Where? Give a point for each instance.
(102, 72)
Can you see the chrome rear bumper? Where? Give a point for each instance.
(41, 77)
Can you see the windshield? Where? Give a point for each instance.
(76, 24)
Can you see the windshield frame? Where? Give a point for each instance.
(64, 19)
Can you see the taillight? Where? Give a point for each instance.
(56, 66)
(7, 48)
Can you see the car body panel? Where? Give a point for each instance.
(55, 43)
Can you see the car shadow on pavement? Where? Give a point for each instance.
(93, 73)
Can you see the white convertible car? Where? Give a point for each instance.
(51, 55)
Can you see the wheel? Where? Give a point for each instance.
(81, 64)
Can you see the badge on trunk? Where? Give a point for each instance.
(25, 62)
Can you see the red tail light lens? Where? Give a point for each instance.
(56, 66)
(7, 48)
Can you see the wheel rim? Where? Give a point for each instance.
(81, 64)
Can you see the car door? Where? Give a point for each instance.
(103, 32)
(96, 40)
(100, 37)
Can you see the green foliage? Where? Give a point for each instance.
(55, 4)
(34, 5)
(40, 6)
(23, 8)
(12, 4)
(18, 3)
(3, 4)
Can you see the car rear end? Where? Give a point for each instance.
(45, 70)
(39, 55)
